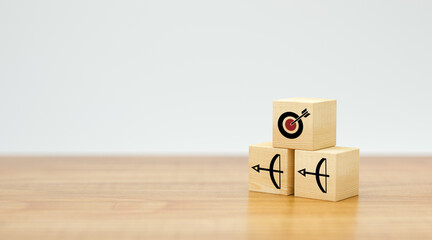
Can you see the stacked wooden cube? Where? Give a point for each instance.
(303, 158)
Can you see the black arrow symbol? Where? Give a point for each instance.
(305, 114)
(304, 172)
(271, 170)
(318, 174)
(258, 168)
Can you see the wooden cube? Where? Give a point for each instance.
(271, 170)
(304, 123)
(327, 174)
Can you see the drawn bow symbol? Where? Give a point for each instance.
(271, 170)
(318, 174)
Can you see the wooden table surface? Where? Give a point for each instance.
(202, 198)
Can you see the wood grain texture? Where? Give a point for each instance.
(263, 154)
(341, 165)
(319, 128)
(202, 198)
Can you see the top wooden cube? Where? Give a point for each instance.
(304, 123)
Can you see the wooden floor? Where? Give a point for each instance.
(202, 198)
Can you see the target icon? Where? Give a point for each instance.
(290, 124)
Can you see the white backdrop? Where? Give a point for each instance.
(199, 77)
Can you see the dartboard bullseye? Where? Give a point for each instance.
(290, 124)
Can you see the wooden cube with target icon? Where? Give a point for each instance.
(271, 170)
(304, 123)
(328, 174)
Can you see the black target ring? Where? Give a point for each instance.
(285, 133)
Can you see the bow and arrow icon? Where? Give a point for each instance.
(318, 174)
(271, 170)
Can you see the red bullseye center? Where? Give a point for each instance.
(288, 125)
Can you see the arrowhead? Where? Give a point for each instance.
(303, 172)
(256, 168)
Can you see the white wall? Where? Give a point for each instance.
(90, 77)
